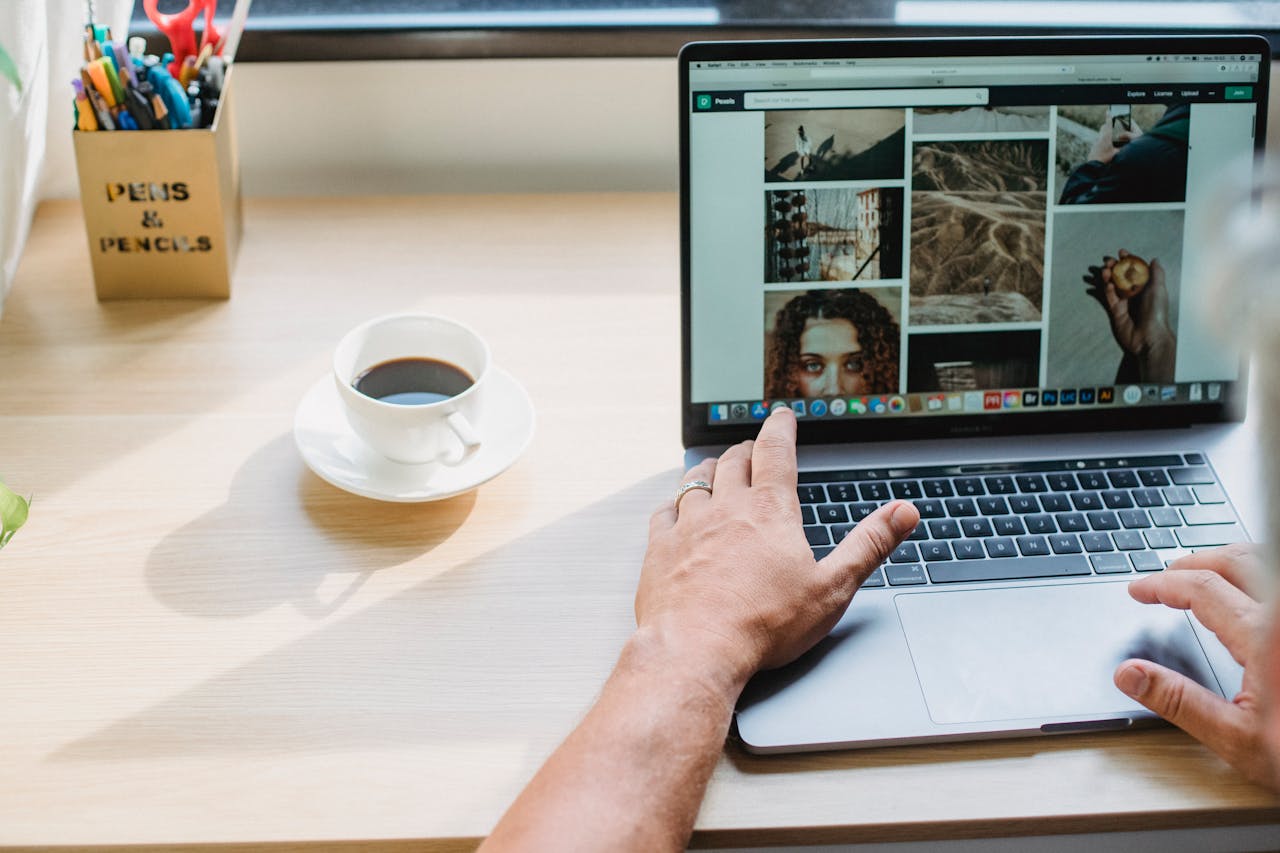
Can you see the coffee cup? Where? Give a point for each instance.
(411, 386)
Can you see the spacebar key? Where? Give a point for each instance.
(961, 571)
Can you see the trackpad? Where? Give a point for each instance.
(1039, 651)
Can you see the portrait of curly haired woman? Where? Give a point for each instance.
(828, 343)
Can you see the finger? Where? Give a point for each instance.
(662, 519)
(733, 470)
(1238, 564)
(773, 458)
(1222, 608)
(696, 499)
(1157, 296)
(1124, 253)
(871, 542)
(1220, 725)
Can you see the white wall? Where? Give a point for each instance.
(441, 126)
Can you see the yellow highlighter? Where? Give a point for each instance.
(85, 119)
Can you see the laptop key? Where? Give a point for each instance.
(1031, 483)
(968, 549)
(820, 551)
(1105, 520)
(996, 570)
(1001, 547)
(1055, 502)
(1092, 480)
(1211, 535)
(1008, 525)
(976, 527)
(1072, 522)
(1040, 524)
(937, 488)
(810, 494)
(1123, 479)
(1147, 497)
(839, 531)
(931, 509)
(843, 492)
(1129, 540)
(1194, 459)
(1210, 514)
(1193, 476)
(1065, 543)
(1134, 519)
(874, 491)
(1033, 546)
(861, 510)
(905, 575)
(1160, 539)
(1063, 482)
(1095, 542)
(906, 489)
(907, 552)
(1166, 517)
(807, 515)
(1113, 499)
(1086, 500)
(817, 535)
(1209, 495)
(1178, 495)
(1147, 561)
(969, 486)
(935, 551)
(875, 579)
(960, 507)
(920, 534)
(1110, 564)
(1023, 504)
(1000, 485)
(993, 506)
(1153, 477)
(832, 513)
(945, 528)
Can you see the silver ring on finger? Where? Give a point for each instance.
(690, 486)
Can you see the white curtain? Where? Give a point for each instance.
(44, 39)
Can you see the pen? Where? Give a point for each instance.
(175, 100)
(85, 119)
(100, 107)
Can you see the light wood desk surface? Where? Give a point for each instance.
(201, 641)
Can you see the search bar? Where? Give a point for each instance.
(825, 99)
(906, 71)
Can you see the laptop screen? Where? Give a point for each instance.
(956, 230)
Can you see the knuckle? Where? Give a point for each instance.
(876, 534)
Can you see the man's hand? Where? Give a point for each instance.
(730, 582)
(1140, 324)
(1219, 587)
(1106, 146)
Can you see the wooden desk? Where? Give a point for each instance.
(200, 641)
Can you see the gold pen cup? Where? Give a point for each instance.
(162, 208)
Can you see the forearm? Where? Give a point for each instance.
(632, 775)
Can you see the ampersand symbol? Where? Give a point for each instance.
(151, 219)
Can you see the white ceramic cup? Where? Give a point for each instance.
(442, 432)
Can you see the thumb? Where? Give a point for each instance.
(871, 542)
(1195, 709)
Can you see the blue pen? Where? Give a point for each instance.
(175, 100)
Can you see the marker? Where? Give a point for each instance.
(85, 119)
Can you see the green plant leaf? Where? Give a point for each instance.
(9, 69)
(13, 513)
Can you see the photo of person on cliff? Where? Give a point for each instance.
(828, 343)
(1124, 166)
(834, 145)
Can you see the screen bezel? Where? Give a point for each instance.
(694, 427)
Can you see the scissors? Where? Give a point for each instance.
(180, 29)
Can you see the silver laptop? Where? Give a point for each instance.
(969, 266)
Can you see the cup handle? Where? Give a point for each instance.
(467, 436)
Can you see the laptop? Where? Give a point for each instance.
(971, 268)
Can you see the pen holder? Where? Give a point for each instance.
(162, 208)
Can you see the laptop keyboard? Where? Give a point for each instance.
(1053, 519)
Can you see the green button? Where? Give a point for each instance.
(704, 101)
(1239, 93)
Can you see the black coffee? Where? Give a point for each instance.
(413, 381)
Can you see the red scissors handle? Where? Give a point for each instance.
(180, 29)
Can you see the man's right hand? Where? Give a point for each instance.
(1220, 588)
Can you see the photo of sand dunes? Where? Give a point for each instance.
(978, 231)
(833, 234)
(980, 120)
(834, 145)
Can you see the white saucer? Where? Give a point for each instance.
(332, 451)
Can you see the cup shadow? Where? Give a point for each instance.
(227, 564)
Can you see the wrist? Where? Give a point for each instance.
(698, 659)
